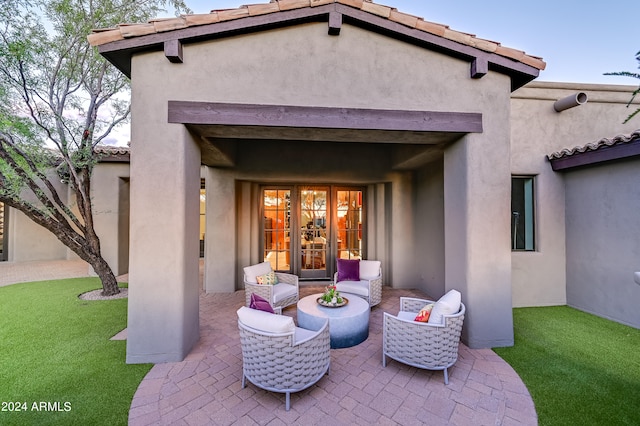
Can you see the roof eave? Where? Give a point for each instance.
(619, 151)
(120, 52)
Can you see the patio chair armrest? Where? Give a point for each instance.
(375, 290)
(264, 291)
(283, 277)
(412, 304)
(322, 333)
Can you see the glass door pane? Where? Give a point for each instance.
(313, 232)
(349, 226)
(277, 228)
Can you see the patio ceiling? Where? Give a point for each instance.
(416, 136)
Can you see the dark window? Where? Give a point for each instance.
(522, 214)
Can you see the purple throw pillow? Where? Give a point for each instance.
(260, 304)
(348, 270)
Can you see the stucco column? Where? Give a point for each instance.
(163, 323)
(402, 274)
(220, 232)
(477, 193)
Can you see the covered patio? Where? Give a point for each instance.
(205, 388)
(423, 135)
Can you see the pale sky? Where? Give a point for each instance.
(579, 40)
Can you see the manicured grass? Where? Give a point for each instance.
(55, 349)
(579, 368)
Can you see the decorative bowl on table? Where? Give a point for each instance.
(331, 298)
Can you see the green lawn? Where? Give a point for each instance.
(57, 364)
(579, 368)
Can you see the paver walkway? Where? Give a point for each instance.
(41, 270)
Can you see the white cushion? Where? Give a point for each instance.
(448, 304)
(282, 290)
(369, 269)
(361, 288)
(266, 321)
(251, 272)
(408, 316)
(303, 334)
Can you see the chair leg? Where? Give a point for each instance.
(384, 360)
(288, 401)
(446, 377)
(244, 380)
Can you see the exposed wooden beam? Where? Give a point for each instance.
(284, 116)
(173, 51)
(479, 67)
(335, 23)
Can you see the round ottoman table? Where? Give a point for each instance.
(348, 325)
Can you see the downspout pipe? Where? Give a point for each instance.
(571, 101)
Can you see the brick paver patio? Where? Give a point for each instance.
(204, 389)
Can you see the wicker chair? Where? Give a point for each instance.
(421, 344)
(370, 285)
(283, 294)
(278, 356)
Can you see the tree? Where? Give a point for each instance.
(635, 92)
(58, 99)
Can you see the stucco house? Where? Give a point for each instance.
(302, 131)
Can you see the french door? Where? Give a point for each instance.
(306, 227)
(315, 232)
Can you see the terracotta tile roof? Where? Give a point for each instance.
(111, 153)
(126, 31)
(595, 146)
(598, 152)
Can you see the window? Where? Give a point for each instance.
(276, 206)
(522, 213)
(349, 224)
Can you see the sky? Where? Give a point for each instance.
(579, 40)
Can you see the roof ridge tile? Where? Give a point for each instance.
(377, 9)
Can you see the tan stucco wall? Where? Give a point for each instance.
(110, 197)
(429, 225)
(603, 244)
(163, 321)
(476, 210)
(539, 277)
(29, 241)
